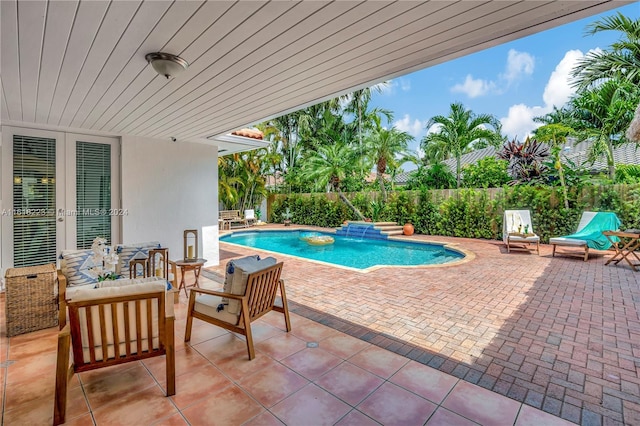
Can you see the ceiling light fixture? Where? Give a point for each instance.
(166, 64)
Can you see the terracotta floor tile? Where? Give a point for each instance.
(481, 405)
(343, 346)
(146, 406)
(310, 406)
(221, 347)
(311, 362)
(312, 332)
(202, 331)
(271, 385)
(238, 365)
(379, 361)
(187, 360)
(262, 331)
(105, 388)
(427, 382)
(530, 416)
(264, 419)
(84, 420)
(349, 383)
(356, 418)
(197, 384)
(32, 368)
(173, 420)
(40, 411)
(281, 346)
(444, 417)
(228, 406)
(29, 391)
(392, 405)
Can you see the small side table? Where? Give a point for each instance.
(629, 242)
(186, 266)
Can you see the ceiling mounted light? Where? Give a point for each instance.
(166, 64)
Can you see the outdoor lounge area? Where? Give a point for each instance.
(558, 337)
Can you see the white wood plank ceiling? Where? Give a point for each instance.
(81, 64)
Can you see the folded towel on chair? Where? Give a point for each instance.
(592, 232)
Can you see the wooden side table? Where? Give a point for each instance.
(629, 242)
(186, 266)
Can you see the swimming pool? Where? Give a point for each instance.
(355, 253)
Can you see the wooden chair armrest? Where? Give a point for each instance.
(217, 293)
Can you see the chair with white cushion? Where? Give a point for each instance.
(518, 229)
(251, 287)
(113, 325)
(250, 217)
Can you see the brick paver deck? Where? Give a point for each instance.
(558, 334)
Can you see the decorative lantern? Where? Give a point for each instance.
(191, 245)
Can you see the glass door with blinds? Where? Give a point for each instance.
(59, 191)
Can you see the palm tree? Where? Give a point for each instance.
(383, 145)
(328, 166)
(621, 61)
(556, 135)
(458, 132)
(603, 115)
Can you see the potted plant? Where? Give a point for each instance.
(287, 217)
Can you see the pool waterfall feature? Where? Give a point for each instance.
(369, 230)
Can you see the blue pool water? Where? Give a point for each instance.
(359, 253)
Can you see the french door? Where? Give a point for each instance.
(59, 191)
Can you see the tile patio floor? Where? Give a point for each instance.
(437, 346)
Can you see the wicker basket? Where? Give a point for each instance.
(32, 299)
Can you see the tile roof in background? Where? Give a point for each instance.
(249, 133)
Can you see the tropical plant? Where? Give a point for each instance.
(526, 160)
(489, 172)
(436, 175)
(627, 173)
(328, 166)
(602, 115)
(621, 61)
(383, 146)
(556, 135)
(457, 133)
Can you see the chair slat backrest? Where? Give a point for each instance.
(118, 329)
(262, 287)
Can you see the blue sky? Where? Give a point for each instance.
(515, 81)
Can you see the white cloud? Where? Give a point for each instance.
(474, 87)
(519, 121)
(405, 84)
(518, 64)
(415, 128)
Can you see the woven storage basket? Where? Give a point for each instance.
(32, 299)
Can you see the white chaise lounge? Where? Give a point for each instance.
(518, 229)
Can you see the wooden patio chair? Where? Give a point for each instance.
(256, 300)
(110, 326)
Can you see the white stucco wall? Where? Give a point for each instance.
(168, 187)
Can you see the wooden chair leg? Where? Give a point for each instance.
(285, 306)
(192, 302)
(508, 248)
(171, 357)
(586, 253)
(63, 373)
(553, 252)
(538, 247)
(246, 321)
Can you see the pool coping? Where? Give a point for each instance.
(468, 254)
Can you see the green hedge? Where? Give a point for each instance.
(472, 213)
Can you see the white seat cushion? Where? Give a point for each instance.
(529, 239)
(207, 304)
(562, 241)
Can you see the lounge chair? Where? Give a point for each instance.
(589, 233)
(250, 217)
(518, 229)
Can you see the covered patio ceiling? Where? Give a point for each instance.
(81, 65)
